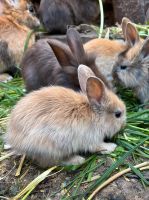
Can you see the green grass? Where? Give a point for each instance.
(10, 93)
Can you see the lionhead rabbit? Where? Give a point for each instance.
(53, 124)
(106, 50)
(56, 15)
(132, 66)
(15, 25)
(51, 62)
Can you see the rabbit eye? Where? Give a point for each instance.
(118, 114)
(30, 8)
(123, 67)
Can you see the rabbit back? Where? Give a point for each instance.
(55, 124)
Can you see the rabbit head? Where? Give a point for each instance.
(126, 58)
(29, 20)
(132, 66)
(108, 109)
(20, 14)
(134, 72)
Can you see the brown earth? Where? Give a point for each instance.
(121, 189)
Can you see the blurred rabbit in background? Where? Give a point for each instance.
(15, 24)
(58, 14)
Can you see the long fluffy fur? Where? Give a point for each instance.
(136, 76)
(54, 123)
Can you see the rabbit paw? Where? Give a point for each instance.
(7, 146)
(75, 160)
(108, 148)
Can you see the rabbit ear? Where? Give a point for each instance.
(95, 90)
(144, 52)
(84, 73)
(62, 52)
(124, 23)
(132, 35)
(76, 46)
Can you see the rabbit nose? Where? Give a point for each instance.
(118, 114)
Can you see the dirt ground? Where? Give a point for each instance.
(123, 188)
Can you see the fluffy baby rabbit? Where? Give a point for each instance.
(106, 50)
(51, 62)
(53, 124)
(15, 25)
(132, 69)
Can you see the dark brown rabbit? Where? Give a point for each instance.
(56, 15)
(51, 62)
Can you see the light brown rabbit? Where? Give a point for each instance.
(15, 25)
(132, 68)
(53, 124)
(107, 50)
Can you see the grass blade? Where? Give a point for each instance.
(34, 183)
(114, 166)
(101, 19)
(138, 173)
(111, 179)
